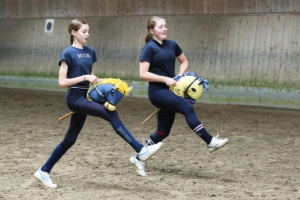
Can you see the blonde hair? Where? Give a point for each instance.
(75, 25)
(150, 25)
(119, 84)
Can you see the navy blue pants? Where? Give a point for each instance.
(171, 104)
(78, 103)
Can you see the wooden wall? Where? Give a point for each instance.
(92, 8)
(261, 50)
(232, 42)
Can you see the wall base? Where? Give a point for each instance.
(217, 94)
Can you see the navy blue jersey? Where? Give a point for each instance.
(162, 58)
(79, 61)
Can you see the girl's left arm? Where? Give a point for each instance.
(184, 64)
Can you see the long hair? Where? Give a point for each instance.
(75, 25)
(150, 25)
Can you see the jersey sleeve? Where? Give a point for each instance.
(178, 50)
(66, 57)
(94, 56)
(146, 54)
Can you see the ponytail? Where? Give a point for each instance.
(148, 37)
(71, 39)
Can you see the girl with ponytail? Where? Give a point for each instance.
(76, 72)
(157, 65)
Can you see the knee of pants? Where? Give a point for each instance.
(188, 109)
(158, 136)
(68, 143)
(163, 133)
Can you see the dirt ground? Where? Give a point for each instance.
(260, 162)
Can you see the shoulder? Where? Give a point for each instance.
(173, 45)
(68, 51)
(148, 46)
(67, 55)
(171, 42)
(87, 48)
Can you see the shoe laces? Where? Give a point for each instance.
(140, 163)
(217, 136)
(47, 174)
(144, 142)
(49, 178)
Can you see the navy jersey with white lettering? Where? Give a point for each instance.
(79, 61)
(162, 58)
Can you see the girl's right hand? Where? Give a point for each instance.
(100, 80)
(170, 81)
(91, 78)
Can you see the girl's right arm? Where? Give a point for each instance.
(66, 82)
(148, 76)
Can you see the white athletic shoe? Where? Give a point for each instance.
(216, 144)
(45, 178)
(148, 151)
(139, 165)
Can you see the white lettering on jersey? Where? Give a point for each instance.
(83, 55)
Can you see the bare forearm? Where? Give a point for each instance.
(183, 67)
(148, 76)
(66, 82)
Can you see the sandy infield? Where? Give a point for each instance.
(260, 162)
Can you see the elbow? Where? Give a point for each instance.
(186, 63)
(143, 77)
(61, 85)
